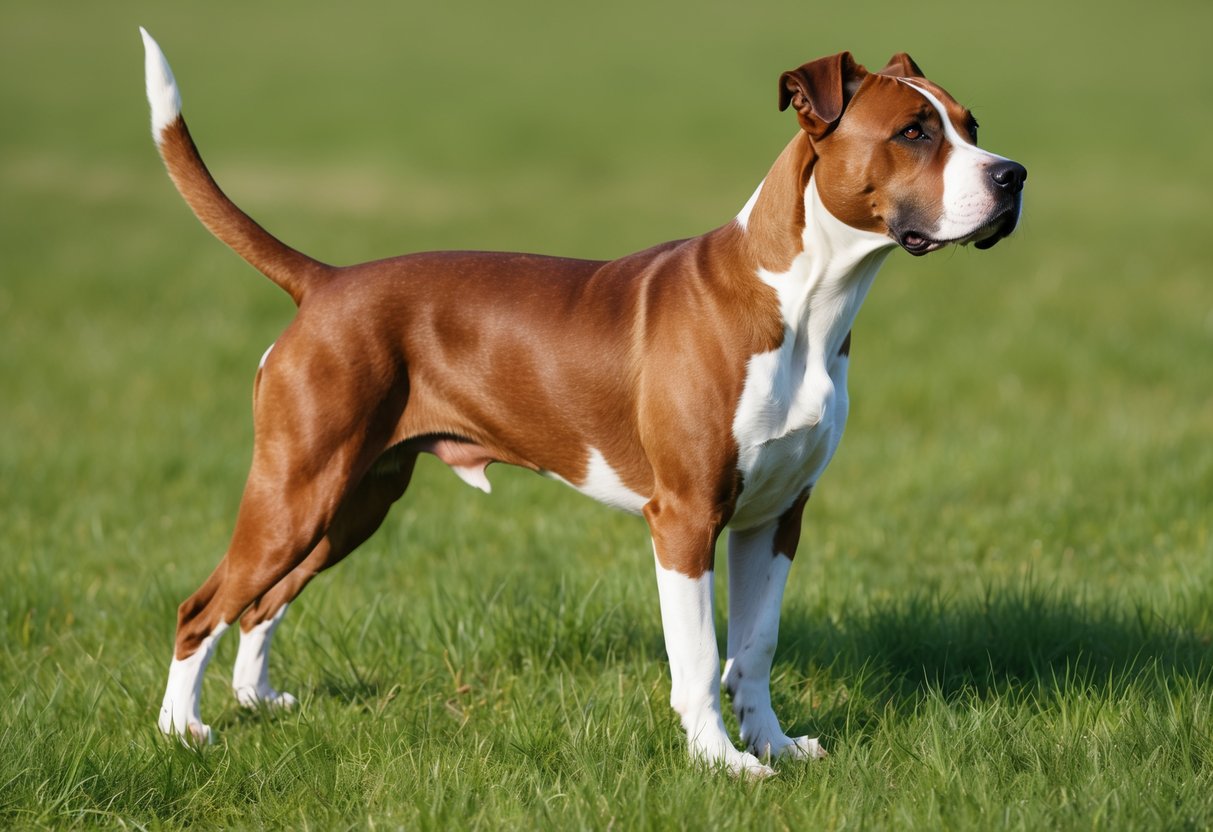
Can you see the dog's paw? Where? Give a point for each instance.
(802, 748)
(254, 698)
(191, 733)
(788, 748)
(740, 765)
(198, 734)
(746, 766)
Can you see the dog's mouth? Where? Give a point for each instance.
(997, 228)
(918, 244)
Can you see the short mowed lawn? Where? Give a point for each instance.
(1001, 613)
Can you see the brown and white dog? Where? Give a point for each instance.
(701, 383)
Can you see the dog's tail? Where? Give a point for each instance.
(290, 269)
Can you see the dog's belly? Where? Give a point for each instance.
(788, 424)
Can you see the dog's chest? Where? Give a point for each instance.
(788, 422)
(793, 404)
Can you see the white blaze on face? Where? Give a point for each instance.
(969, 199)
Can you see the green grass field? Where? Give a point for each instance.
(1002, 610)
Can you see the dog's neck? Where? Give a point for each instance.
(820, 267)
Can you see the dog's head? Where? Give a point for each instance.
(895, 154)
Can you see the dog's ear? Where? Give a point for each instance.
(902, 65)
(819, 91)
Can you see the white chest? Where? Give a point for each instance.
(793, 405)
(788, 423)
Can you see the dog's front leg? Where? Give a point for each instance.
(683, 546)
(759, 560)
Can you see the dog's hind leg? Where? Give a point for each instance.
(359, 516)
(305, 465)
(275, 530)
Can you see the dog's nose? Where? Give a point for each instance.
(1009, 176)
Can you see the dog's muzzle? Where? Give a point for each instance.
(1008, 178)
(1006, 182)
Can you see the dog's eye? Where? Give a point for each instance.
(913, 132)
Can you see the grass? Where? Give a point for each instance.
(1000, 615)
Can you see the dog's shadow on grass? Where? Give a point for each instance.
(1022, 642)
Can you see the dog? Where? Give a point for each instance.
(701, 383)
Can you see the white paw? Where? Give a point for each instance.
(199, 734)
(800, 748)
(254, 698)
(746, 766)
(191, 732)
(719, 751)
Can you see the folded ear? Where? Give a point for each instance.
(819, 91)
(902, 65)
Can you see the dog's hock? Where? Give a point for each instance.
(162, 93)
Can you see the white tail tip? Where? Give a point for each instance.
(162, 91)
